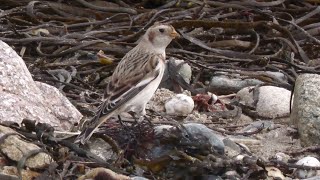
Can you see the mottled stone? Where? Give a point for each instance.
(306, 109)
(22, 98)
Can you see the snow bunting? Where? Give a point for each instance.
(135, 79)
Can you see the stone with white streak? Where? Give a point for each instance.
(21, 97)
(179, 105)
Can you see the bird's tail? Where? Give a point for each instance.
(87, 132)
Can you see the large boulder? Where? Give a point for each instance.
(306, 108)
(22, 98)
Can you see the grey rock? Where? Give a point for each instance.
(102, 149)
(272, 102)
(306, 109)
(196, 133)
(224, 83)
(232, 149)
(254, 126)
(15, 148)
(21, 97)
(185, 71)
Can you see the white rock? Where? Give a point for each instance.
(272, 102)
(179, 105)
(306, 161)
(22, 98)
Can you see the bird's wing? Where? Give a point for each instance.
(127, 81)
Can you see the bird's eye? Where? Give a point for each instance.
(161, 30)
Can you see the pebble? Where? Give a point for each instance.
(179, 105)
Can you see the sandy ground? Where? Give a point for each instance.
(265, 144)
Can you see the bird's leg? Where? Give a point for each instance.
(120, 120)
(134, 116)
(148, 119)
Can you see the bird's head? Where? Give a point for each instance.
(160, 35)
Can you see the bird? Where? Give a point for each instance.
(135, 79)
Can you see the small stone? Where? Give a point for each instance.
(232, 149)
(102, 173)
(102, 149)
(226, 83)
(197, 133)
(254, 126)
(138, 178)
(185, 72)
(158, 100)
(244, 119)
(15, 148)
(232, 174)
(180, 105)
(280, 156)
(307, 161)
(223, 84)
(275, 173)
(12, 173)
(196, 117)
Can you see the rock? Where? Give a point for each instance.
(185, 72)
(306, 161)
(314, 178)
(232, 149)
(158, 100)
(179, 105)
(197, 117)
(210, 177)
(15, 148)
(232, 174)
(280, 156)
(272, 102)
(254, 126)
(102, 149)
(224, 83)
(195, 133)
(244, 119)
(102, 173)
(138, 178)
(30, 99)
(275, 173)
(306, 109)
(11, 173)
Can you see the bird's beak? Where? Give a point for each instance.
(174, 34)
